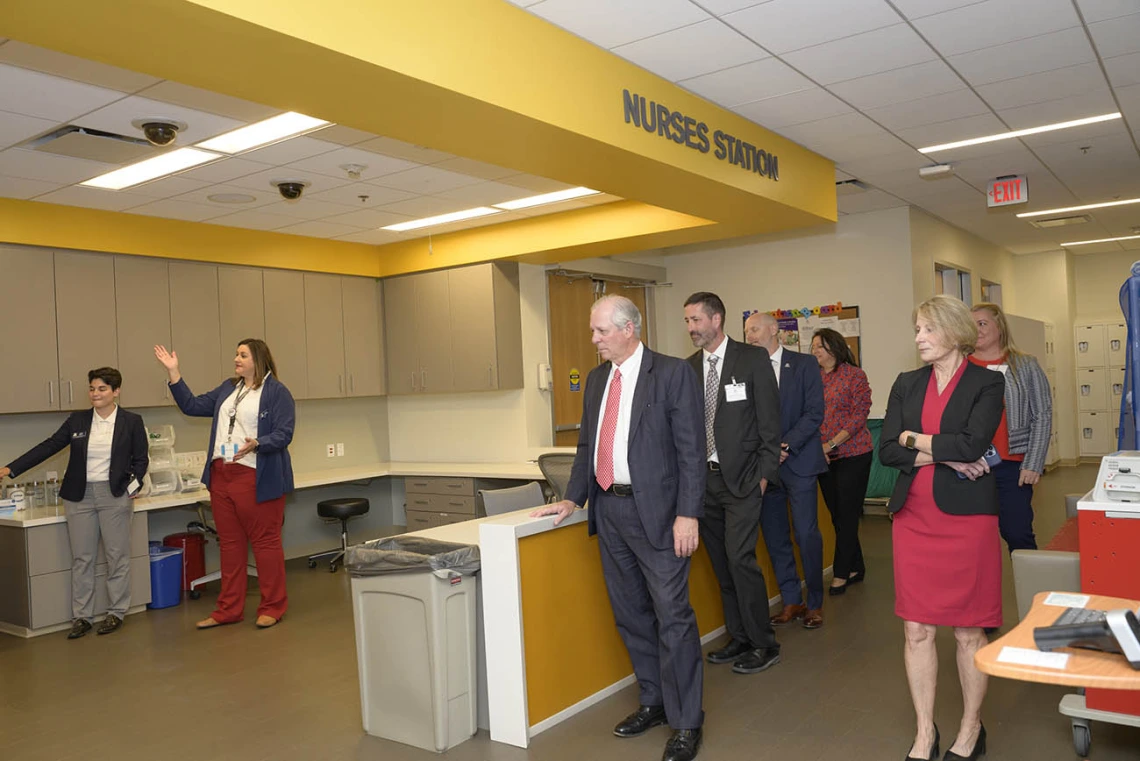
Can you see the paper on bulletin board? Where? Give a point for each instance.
(849, 328)
(830, 321)
(789, 331)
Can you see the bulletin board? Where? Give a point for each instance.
(798, 325)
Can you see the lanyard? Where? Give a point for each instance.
(241, 394)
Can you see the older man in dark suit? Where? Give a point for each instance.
(640, 464)
(742, 455)
(801, 461)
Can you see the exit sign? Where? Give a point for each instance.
(1007, 191)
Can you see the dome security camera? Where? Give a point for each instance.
(159, 131)
(290, 190)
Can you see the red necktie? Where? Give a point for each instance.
(605, 470)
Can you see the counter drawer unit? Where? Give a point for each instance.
(49, 549)
(464, 487)
(51, 593)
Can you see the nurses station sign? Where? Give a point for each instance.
(1007, 191)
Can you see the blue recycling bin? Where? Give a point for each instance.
(165, 576)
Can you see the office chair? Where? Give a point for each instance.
(342, 510)
(555, 467)
(499, 501)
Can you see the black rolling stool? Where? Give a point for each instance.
(338, 510)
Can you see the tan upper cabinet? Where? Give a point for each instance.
(433, 332)
(363, 336)
(85, 322)
(28, 342)
(399, 319)
(194, 328)
(142, 310)
(285, 328)
(241, 310)
(324, 335)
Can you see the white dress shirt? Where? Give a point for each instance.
(629, 372)
(245, 424)
(99, 446)
(719, 354)
(777, 358)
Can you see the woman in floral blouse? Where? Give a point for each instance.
(847, 445)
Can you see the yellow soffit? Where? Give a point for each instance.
(477, 78)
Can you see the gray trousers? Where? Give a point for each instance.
(100, 515)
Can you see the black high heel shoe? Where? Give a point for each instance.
(978, 751)
(933, 750)
(857, 577)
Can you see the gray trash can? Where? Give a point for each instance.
(413, 604)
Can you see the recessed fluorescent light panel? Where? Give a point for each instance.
(1020, 133)
(159, 166)
(262, 133)
(555, 197)
(442, 219)
(1086, 207)
(1102, 240)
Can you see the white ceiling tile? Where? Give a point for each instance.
(201, 196)
(865, 146)
(426, 179)
(782, 26)
(871, 200)
(913, 9)
(936, 108)
(293, 149)
(369, 218)
(425, 206)
(32, 93)
(692, 50)
(319, 229)
(1095, 248)
(330, 164)
(263, 181)
(305, 208)
(21, 187)
(1123, 70)
(1117, 36)
(795, 108)
(1044, 86)
(475, 168)
(995, 22)
(847, 125)
(16, 128)
(34, 165)
(372, 237)
(721, 7)
(900, 85)
(535, 183)
(69, 67)
(210, 102)
(1018, 59)
(169, 186)
(94, 198)
(254, 219)
(485, 194)
(980, 171)
(952, 131)
(470, 224)
(609, 24)
(117, 117)
(341, 135)
(904, 163)
(401, 150)
(1075, 107)
(1081, 135)
(1103, 150)
(1100, 10)
(752, 81)
(172, 208)
(862, 55)
(224, 170)
(350, 195)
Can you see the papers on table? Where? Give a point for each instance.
(1023, 656)
(1067, 600)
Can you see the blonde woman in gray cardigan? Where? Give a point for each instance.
(1022, 439)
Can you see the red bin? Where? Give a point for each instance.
(193, 555)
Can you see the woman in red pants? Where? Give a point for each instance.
(248, 474)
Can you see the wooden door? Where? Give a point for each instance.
(363, 336)
(324, 335)
(241, 310)
(433, 332)
(400, 335)
(28, 341)
(142, 308)
(285, 328)
(85, 322)
(472, 328)
(194, 327)
(573, 355)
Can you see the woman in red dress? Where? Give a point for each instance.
(947, 551)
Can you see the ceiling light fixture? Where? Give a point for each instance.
(150, 169)
(442, 219)
(289, 124)
(1020, 133)
(1102, 240)
(545, 198)
(1086, 207)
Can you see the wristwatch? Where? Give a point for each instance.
(911, 441)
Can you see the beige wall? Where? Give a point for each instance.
(1098, 280)
(933, 241)
(863, 260)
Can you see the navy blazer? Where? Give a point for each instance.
(276, 416)
(129, 453)
(801, 413)
(666, 445)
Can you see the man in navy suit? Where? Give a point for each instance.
(640, 463)
(801, 460)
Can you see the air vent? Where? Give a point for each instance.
(93, 145)
(1076, 219)
(850, 187)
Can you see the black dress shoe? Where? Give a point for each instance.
(757, 660)
(79, 627)
(856, 577)
(111, 623)
(840, 590)
(933, 750)
(729, 653)
(641, 721)
(978, 751)
(683, 745)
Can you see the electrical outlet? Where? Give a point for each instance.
(340, 449)
(330, 449)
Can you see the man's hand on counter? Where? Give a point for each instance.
(560, 509)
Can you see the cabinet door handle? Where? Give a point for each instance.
(51, 393)
(351, 384)
(164, 389)
(423, 380)
(70, 394)
(490, 376)
(413, 381)
(339, 383)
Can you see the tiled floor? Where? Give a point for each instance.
(160, 691)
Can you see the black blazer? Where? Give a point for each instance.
(969, 422)
(747, 432)
(129, 455)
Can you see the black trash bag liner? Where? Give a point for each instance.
(399, 554)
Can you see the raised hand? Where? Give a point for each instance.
(169, 360)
